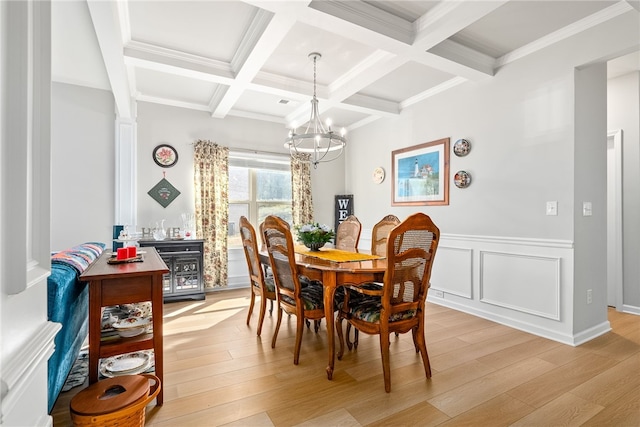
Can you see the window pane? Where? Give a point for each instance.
(273, 185)
(283, 210)
(236, 210)
(238, 183)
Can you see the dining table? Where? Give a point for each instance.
(335, 268)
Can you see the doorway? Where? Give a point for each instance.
(614, 219)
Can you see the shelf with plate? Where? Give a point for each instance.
(134, 363)
(118, 284)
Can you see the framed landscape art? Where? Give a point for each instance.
(421, 174)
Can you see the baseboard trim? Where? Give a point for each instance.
(572, 340)
(631, 309)
(591, 333)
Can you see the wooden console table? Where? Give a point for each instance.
(113, 284)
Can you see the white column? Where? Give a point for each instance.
(126, 171)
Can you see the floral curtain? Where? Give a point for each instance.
(211, 183)
(301, 188)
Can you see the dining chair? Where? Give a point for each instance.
(380, 233)
(306, 303)
(261, 283)
(411, 249)
(379, 236)
(348, 234)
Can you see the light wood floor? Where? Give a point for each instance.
(218, 372)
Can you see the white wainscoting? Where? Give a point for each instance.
(458, 280)
(238, 272)
(523, 283)
(530, 284)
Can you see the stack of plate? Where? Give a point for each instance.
(126, 364)
(132, 326)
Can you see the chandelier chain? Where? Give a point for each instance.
(314, 75)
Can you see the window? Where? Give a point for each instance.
(259, 185)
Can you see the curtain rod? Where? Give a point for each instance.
(248, 150)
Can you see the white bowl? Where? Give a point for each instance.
(132, 323)
(131, 332)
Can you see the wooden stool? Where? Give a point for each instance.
(118, 401)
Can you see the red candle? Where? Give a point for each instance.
(131, 251)
(122, 253)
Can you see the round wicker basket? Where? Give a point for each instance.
(118, 401)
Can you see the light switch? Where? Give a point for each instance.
(552, 208)
(586, 209)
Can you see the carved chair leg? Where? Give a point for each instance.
(263, 309)
(384, 349)
(275, 332)
(251, 301)
(299, 332)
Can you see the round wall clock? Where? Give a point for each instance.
(378, 175)
(165, 155)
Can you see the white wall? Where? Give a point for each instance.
(590, 186)
(82, 175)
(180, 128)
(27, 336)
(528, 147)
(624, 113)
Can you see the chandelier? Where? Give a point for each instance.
(316, 144)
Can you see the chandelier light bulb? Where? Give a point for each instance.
(328, 122)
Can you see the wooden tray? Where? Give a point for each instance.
(114, 260)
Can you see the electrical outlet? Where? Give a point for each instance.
(589, 296)
(436, 293)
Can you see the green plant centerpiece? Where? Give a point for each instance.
(314, 235)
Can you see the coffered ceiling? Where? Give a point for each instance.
(250, 58)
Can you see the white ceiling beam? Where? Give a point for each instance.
(446, 18)
(369, 17)
(432, 91)
(266, 33)
(105, 17)
(634, 4)
(583, 24)
(370, 105)
(171, 61)
(172, 102)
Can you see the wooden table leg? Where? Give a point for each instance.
(157, 308)
(329, 283)
(95, 328)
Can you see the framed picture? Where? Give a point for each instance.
(421, 174)
(165, 155)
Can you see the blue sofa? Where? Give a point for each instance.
(68, 304)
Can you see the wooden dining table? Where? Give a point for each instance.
(333, 274)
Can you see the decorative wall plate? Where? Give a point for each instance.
(461, 147)
(462, 179)
(165, 155)
(164, 193)
(378, 175)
